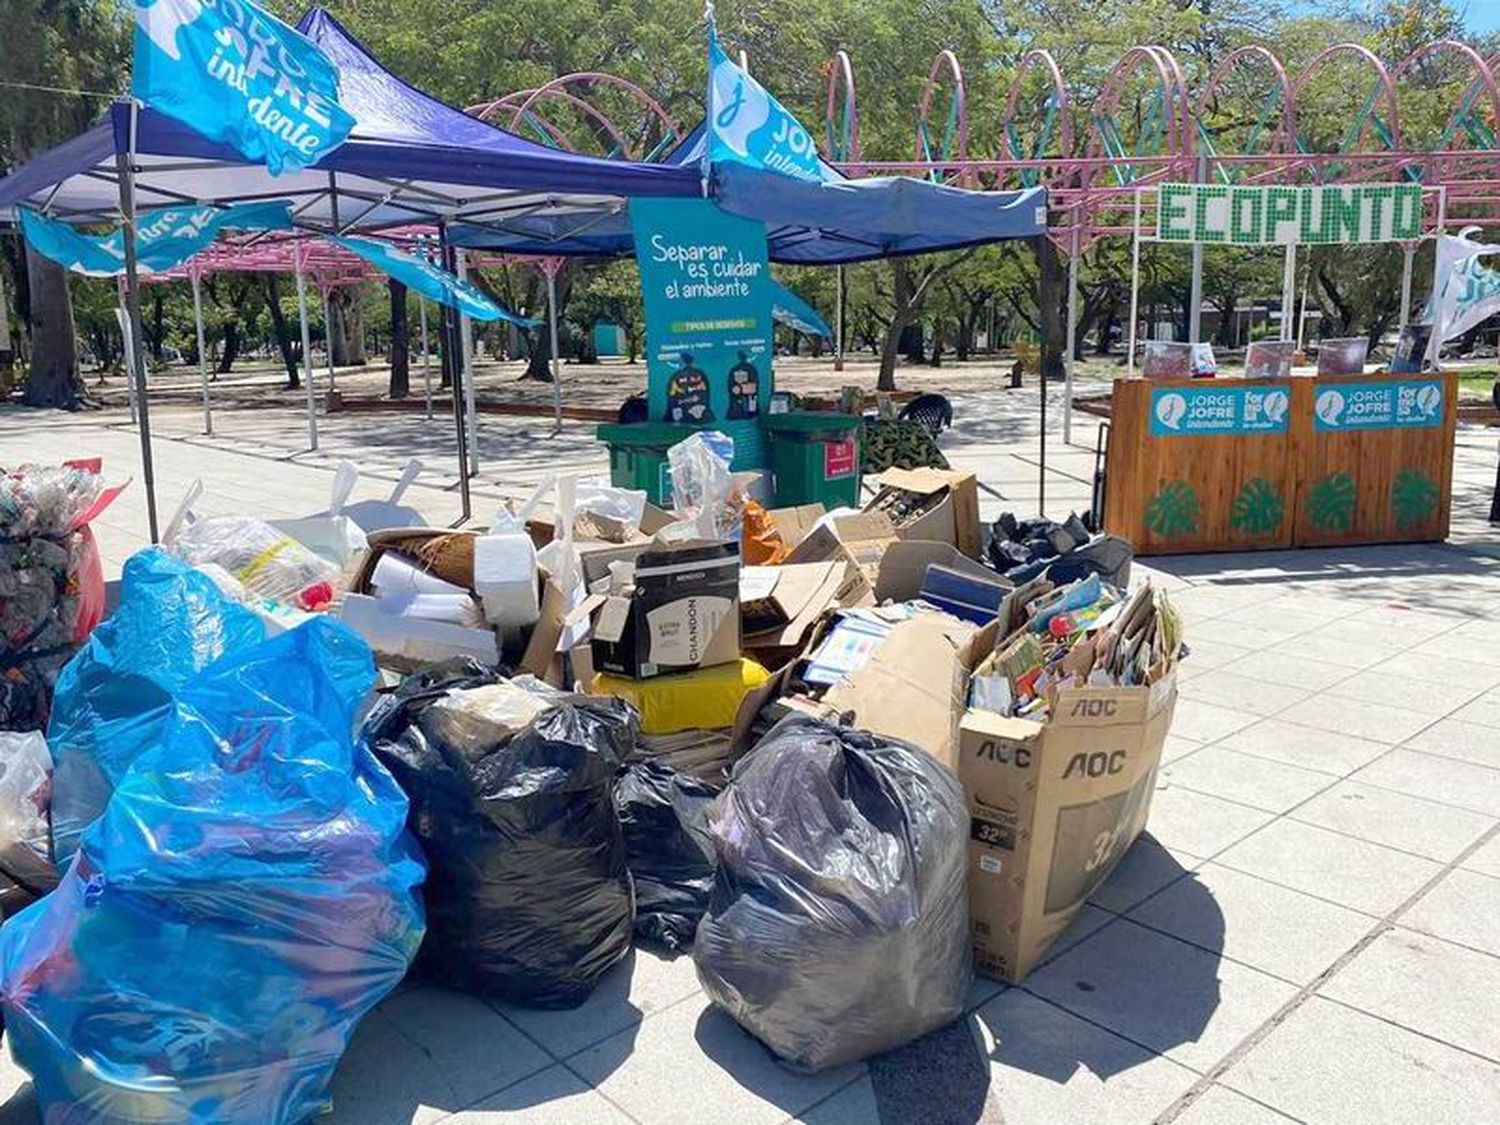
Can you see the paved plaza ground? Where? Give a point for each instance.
(1310, 931)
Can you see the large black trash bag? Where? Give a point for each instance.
(664, 814)
(528, 895)
(839, 924)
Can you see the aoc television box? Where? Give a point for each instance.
(1053, 806)
(682, 612)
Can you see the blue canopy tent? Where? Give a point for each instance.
(411, 159)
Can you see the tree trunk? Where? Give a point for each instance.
(231, 347)
(283, 335)
(539, 362)
(1050, 306)
(902, 313)
(52, 379)
(400, 385)
(345, 316)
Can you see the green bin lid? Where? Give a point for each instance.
(664, 434)
(809, 422)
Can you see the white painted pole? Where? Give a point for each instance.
(1135, 284)
(838, 320)
(1072, 342)
(556, 359)
(426, 357)
(208, 417)
(1408, 260)
(466, 352)
(1288, 290)
(307, 365)
(1195, 311)
(1435, 343)
(123, 316)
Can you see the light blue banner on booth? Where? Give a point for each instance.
(165, 236)
(794, 312)
(238, 75)
(1217, 410)
(423, 277)
(1392, 404)
(747, 125)
(706, 284)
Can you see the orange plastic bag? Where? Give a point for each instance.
(761, 544)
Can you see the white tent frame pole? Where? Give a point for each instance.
(125, 166)
(466, 352)
(1408, 261)
(208, 414)
(1072, 340)
(426, 356)
(307, 364)
(1288, 290)
(1195, 309)
(125, 351)
(551, 273)
(1434, 342)
(1135, 285)
(838, 320)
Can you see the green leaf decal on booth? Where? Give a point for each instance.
(1257, 509)
(1414, 498)
(1173, 511)
(1330, 504)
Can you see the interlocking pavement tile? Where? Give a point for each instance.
(1463, 908)
(426, 1052)
(1446, 780)
(18, 1104)
(553, 1097)
(1486, 858)
(1370, 635)
(1145, 868)
(1200, 824)
(1306, 747)
(693, 1065)
(1219, 1105)
(855, 1104)
(1397, 820)
(1207, 722)
(1413, 623)
(1237, 633)
(1454, 738)
(1178, 747)
(1357, 717)
(1248, 780)
(1189, 1004)
(1485, 711)
(1205, 655)
(1427, 985)
(1392, 690)
(1350, 872)
(1279, 931)
(1442, 650)
(1049, 1067)
(1328, 650)
(1291, 671)
(644, 983)
(1330, 1064)
(1427, 667)
(1240, 693)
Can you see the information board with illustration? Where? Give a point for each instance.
(706, 282)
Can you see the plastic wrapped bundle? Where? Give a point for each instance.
(26, 870)
(528, 895)
(664, 815)
(248, 894)
(267, 562)
(51, 581)
(114, 697)
(838, 926)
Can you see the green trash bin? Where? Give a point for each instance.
(815, 457)
(638, 456)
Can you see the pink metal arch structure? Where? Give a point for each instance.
(1145, 123)
(653, 132)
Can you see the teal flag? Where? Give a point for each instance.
(165, 236)
(794, 312)
(238, 75)
(706, 283)
(748, 126)
(423, 277)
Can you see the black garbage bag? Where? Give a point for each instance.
(664, 815)
(839, 923)
(528, 894)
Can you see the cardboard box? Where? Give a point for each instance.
(779, 605)
(862, 537)
(793, 524)
(1053, 806)
(682, 613)
(904, 565)
(952, 516)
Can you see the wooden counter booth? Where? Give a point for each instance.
(1233, 465)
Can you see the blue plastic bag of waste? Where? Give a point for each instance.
(247, 895)
(114, 695)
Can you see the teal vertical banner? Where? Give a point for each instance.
(706, 283)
